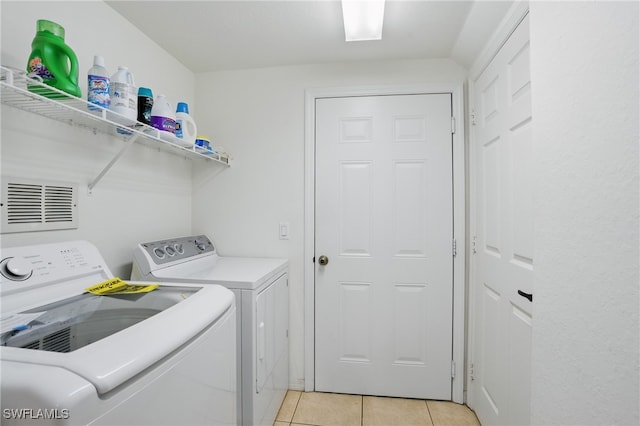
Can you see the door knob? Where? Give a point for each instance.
(323, 260)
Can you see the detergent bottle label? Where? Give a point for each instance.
(166, 124)
(179, 129)
(98, 92)
(124, 95)
(36, 67)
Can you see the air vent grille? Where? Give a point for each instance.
(37, 206)
(58, 204)
(24, 203)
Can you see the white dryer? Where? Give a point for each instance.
(262, 299)
(71, 357)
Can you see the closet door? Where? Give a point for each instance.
(503, 263)
(383, 234)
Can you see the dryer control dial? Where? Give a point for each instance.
(201, 245)
(16, 268)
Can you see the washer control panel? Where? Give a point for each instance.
(165, 251)
(26, 267)
(16, 268)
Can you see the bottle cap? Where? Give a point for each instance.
(51, 27)
(98, 60)
(145, 91)
(183, 107)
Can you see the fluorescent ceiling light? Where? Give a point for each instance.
(363, 19)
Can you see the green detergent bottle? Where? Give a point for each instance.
(53, 61)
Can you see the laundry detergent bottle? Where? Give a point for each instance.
(145, 104)
(53, 61)
(185, 125)
(162, 116)
(98, 86)
(123, 95)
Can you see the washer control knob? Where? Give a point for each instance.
(16, 269)
(178, 248)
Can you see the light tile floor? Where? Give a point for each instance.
(330, 409)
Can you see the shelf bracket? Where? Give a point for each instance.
(113, 161)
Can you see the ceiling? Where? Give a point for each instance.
(218, 35)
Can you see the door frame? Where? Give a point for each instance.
(459, 219)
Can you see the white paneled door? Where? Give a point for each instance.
(503, 260)
(384, 230)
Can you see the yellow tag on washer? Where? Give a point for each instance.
(117, 286)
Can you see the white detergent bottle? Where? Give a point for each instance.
(185, 125)
(98, 86)
(124, 97)
(162, 116)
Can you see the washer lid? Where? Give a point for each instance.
(168, 318)
(232, 272)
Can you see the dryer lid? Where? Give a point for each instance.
(245, 273)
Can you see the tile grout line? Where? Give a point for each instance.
(429, 411)
(296, 407)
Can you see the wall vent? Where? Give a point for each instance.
(29, 205)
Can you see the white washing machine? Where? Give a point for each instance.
(71, 357)
(262, 299)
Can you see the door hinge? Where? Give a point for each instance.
(473, 244)
(453, 124)
(473, 117)
(471, 372)
(455, 248)
(453, 369)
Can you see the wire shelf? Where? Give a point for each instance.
(20, 91)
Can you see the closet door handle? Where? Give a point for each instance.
(526, 295)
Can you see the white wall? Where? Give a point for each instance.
(584, 58)
(147, 195)
(258, 115)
